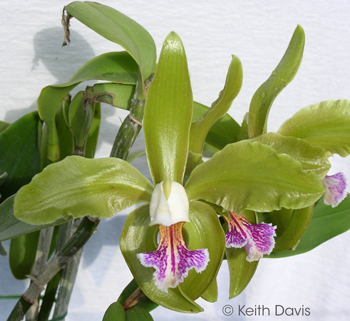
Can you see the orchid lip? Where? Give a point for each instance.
(335, 186)
(256, 239)
(172, 260)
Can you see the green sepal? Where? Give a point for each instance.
(118, 28)
(138, 314)
(241, 271)
(22, 254)
(19, 153)
(203, 231)
(76, 187)
(168, 114)
(223, 132)
(138, 237)
(200, 128)
(326, 223)
(212, 293)
(326, 124)
(290, 228)
(117, 95)
(253, 176)
(283, 74)
(312, 158)
(117, 67)
(115, 312)
(145, 302)
(11, 227)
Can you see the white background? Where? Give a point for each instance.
(31, 57)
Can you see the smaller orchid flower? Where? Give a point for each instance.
(335, 186)
(256, 239)
(172, 260)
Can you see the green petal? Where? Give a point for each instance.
(223, 132)
(253, 176)
(203, 232)
(200, 128)
(326, 124)
(138, 237)
(113, 66)
(78, 187)
(326, 223)
(312, 158)
(19, 153)
(168, 114)
(279, 79)
(119, 28)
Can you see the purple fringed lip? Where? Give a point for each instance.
(335, 186)
(256, 239)
(172, 260)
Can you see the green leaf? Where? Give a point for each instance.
(138, 314)
(76, 187)
(279, 79)
(118, 95)
(92, 138)
(19, 153)
(223, 132)
(22, 254)
(168, 114)
(2, 250)
(326, 124)
(326, 223)
(253, 176)
(117, 67)
(138, 237)
(203, 231)
(200, 128)
(241, 271)
(3, 126)
(115, 312)
(117, 27)
(312, 158)
(11, 227)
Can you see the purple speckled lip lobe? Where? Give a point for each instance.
(335, 186)
(256, 239)
(172, 260)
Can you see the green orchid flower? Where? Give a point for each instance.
(179, 266)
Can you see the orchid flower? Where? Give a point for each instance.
(177, 267)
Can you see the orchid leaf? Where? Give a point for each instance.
(11, 227)
(326, 124)
(91, 142)
(19, 153)
(283, 74)
(118, 95)
(138, 237)
(118, 28)
(3, 126)
(168, 114)
(326, 223)
(22, 254)
(203, 231)
(312, 158)
(2, 250)
(200, 128)
(253, 176)
(115, 312)
(241, 271)
(76, 187)
(138, 314)
(117, 67)
(223, 132)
